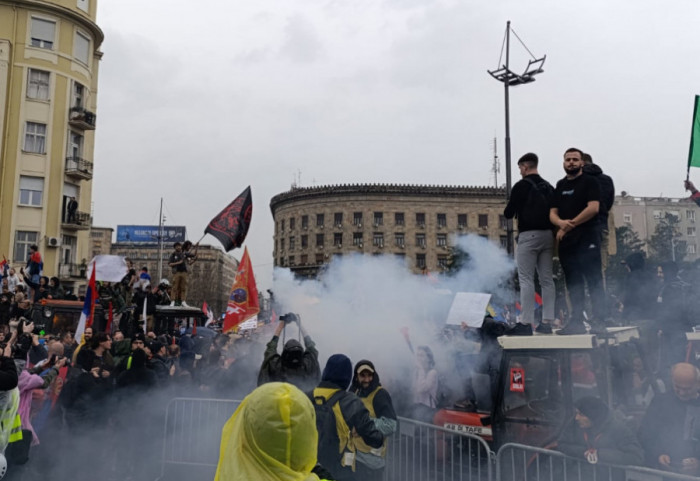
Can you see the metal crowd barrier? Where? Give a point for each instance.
(193, 436)
(420, 451)
(518, 462)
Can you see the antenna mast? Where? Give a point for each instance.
(496, 164)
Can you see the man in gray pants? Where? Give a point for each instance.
(530, 202)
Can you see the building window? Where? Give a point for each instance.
(35, 138)
(292, 223)
(357, 219)
(291, 261)
(281, 262)
(691, 231)
(420, 219)
(399, 239)
(23, 239)
(690, 215)
(657, 214)
(420, 240)
(357, 239)
(378, 219)
(282, 244)
(502, 222)
(82, 48)
(76, 146)
(38, 84)
(84, 5)
(462, 221)
(442, 240)
(378, 239)
(504, 241)
(627, 218)
(319, 259)
(320, 238)
(483, 220)
(442, 261)
(282, 226)
(420, 261)
(338, 219)
(31, 190)
(338, 239)
(399, 218)
(319, 220)
(442, 220)
(304, 259)
(304, 241)
(292, 242)
(690, 249)
(43, 33)
(304, 221)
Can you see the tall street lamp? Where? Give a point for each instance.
(508, 77)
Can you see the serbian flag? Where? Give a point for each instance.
(243, 302)
(232, 223)
(88, 313)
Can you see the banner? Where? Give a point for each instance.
(231, 225)
(243, 302)
(148, 234)
(110, 268)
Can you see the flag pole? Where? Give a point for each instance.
(200, 239)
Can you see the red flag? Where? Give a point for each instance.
(110, 318)
(194, 326)
(3, 263)
(243, 302)
(93, 287)
(231, 225)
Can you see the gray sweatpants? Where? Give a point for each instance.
(534, 253)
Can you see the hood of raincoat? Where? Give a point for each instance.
(272, 436)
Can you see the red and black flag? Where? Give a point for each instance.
(232, 223)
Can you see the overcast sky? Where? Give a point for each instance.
(197, 100)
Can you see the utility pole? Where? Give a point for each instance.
(505, 75)
(160, 241)
(496, 164)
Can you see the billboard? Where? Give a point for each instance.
(148, 234)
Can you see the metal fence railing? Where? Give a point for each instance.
(420, 451)
(518, 462)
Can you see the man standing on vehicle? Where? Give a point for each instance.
(365, 384)
(607, 199)
(575, 214)
(178, 262)
(670, 430)
(530, 202)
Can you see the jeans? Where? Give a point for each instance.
(580, 260)
(534, 254)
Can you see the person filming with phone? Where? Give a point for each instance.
(297, 365)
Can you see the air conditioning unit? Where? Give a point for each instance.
(461, 227)
(402, 246)
(360, 245)
(53, 242)
(339, 246)
(421, 226)
(305, 227)
(446, 247)
(359, 225)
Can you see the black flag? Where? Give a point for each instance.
(232, 223)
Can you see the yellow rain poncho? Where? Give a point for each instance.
(271, 436)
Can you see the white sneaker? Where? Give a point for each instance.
(172, 304)
(184, 304)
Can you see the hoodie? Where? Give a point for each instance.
(607, 191)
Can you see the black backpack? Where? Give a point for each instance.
(328, 439)
(539, 201)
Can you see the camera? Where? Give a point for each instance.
(289, 318)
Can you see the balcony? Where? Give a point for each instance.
(71, 271)
(78, 168)
(82, 119)
(78, 221)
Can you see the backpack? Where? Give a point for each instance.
(328, 440)
(443, 395)
(539, 201)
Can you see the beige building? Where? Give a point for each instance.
(49, 56)
(643, 214)
(414, 222)
(211, 276)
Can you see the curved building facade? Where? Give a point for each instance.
(314, 225)
(49, 57)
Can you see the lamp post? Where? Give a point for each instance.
(505, 75)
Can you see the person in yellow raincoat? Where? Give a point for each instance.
(271, 436)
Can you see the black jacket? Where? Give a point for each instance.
(8, 374)
(305, 377)
(607, 192)
(158, 365)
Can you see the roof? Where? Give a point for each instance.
(345, 190)
(616, 335)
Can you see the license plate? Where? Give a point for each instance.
(464, 428)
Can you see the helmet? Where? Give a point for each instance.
(3, 466)
(164, 283)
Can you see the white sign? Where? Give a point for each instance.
(108, 268)
(251, 323)
(468, 307)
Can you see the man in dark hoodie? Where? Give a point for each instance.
(607, 199)
(366, 385)
(296, 365)
(341, 418)
(595, 436)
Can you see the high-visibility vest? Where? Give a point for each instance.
(346, 445)
(10, 423)
(359, 442)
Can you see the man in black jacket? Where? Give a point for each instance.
(336, 446)
(607, 199)
(530, 202)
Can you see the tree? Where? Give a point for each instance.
(628, 242)
(665, 243)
